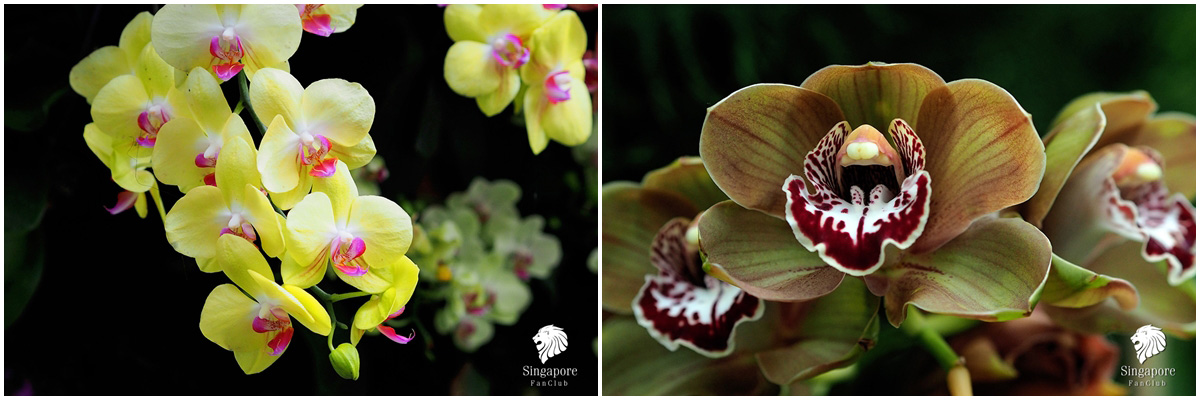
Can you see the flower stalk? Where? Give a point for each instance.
(957, 377)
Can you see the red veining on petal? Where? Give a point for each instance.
(510, 51)
(670, 252)
(912, 152)
(703, 318)
(391, 334)
(558, 87)
(125, 200)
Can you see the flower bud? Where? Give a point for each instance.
(345, 361)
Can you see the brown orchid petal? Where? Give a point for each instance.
(991, 272)
(1065, 147)
(759, 254)
(876, 93)
(687, 177)
(1125, 113)
(982, 152)
(632, 217)
(1174, 136)
(758, 136)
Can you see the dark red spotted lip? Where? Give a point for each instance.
(676, 312)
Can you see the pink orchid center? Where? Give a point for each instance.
(227, 52)
(314, 152)
(150, 121)
(347, 254)
(274, 321)
(479, 302)
(208, 157)
(558, 87)
(522, 260)
(240, 227)
(510, 51)
(554, 7)
(314, 21)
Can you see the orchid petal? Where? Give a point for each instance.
(270, 32)
(206, 100)
(227, 317)
(384, 226)
(136, 35)
(533, 109)
(356, 156)
(633, 217)
(276, 92)
(569, 122)
(462, 22)
(339, 110)
(262, 216)
(561, 38)
(117, 105)
(1174, 136)
(100, 144)
(1125, 113)
(703, 318)
(280, 148)
(341, 190)
(876, 93)
(1071, 286)
(470, 69)
(181, 34)
(235, 170)
(493, 102)
(686, 176)
(97, 69)
(310, 229)
(1091, 208)
(303, 276)
(983, 152)
(755, 138)
(636, 364)
(174, 154)
(195, 222)
(315, 317)
(1065, 147)
(759, 254)
(236, 256)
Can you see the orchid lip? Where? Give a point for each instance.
(558, 87)
(347, 254)
(510, 51)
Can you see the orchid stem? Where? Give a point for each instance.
(328, 300)
(244, 88)
(958, 377)
(343, 296)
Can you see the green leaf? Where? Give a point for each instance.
(23, 259)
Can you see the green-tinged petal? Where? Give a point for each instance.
(560, 40)
(687, 177)
(1072, 286)
(129, 166)
(570, 122)
(302, 275)
(99, 143)
(367, 317)
(289, 199)
(1125, 113)
(1173, 135)
(195, 222)
(480, 333)
(97, 69)
(238, 257)
(982, 153)
(181, 33)
(341, 16)
(753, 140)
(405, 275)
(270, 32)
(371, 282)
(876, 93)
(276, 92)
(209, 265)
(632, 217)
(985, 362)
(992, 272)
(534, 99)
(310, 229)
(821, 335)
(257, 210)
(384, 227)
(512, 297)
(341, 190)
(227, 319)
(470, 69)
(316, 319)
(136, 36)
(235, 170)
(358, 155)
(116, 108)
(257, 359)
(759, 254)
(1065, 147)
(517, 19)
(278, 155)
(341, 111)
(207, 102)
(269, 292)
(1081, 220)
(140, 206)
(492, 103)
(462, 22)
(156, 75)
(636, 364)
(179, 141)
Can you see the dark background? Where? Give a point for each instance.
(672, 62)
(110, 308)
(667, 64)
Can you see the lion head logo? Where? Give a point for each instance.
(550, 341)
(1148, 341)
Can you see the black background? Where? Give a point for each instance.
(116, 310)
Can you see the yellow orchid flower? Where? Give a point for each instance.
(360, 235)
(130, 175)
(403, 276)
(327, 19)
(490, 45)
(108, 62)
(557, 104)
(310, 130)
(235, 206)
(132, 108)
(185, 154)
(225, 39)
(257, 329)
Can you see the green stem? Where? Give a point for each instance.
(916, 327)
(244, 88)
(327, 300)
(343, 296)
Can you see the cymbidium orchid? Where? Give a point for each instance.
(360, 236)
(225, 39)
(491, 42)
(236, 206)
(557, 104)
(403, 276)
(108, 62)
(309, 130)
(129, 177)
(258, 328)
(911, 212)
(327, 19)
(186, 152)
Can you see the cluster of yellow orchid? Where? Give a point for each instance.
(157, 105)
(530, 55)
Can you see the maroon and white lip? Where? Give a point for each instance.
(682, 305)
(866, 195)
